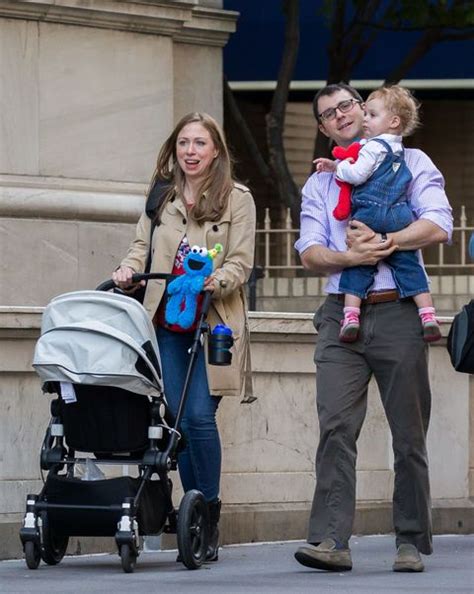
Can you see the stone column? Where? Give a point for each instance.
(89, 91)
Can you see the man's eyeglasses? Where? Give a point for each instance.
(342, 106)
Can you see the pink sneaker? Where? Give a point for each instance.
(350, 326)
(431, 329)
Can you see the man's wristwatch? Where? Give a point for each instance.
(383, 237)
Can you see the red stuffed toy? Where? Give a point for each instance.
(343, 208)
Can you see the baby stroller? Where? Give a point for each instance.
(98, 353)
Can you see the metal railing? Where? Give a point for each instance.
(275, 252)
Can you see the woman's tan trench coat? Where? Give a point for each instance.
(232, 267)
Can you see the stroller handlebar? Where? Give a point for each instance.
(136, 278)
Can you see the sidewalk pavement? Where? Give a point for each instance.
(257, 568)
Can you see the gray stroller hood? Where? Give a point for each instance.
(99, 338)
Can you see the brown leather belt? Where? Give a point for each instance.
(377, 297)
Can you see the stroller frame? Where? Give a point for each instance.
(190, 523)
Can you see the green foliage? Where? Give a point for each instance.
(423, 14)
(403, 14)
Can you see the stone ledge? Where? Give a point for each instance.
(183, 19)
(208, 26)
(266, 523)
(30, 197)
(263, 522)
(262, 324)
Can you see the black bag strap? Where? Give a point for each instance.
(156, 197)
(154, 200)
(460, 343)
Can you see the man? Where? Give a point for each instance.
(390, 348)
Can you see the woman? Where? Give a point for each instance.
(202, 206)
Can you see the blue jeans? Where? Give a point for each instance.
(408, 274)
(199, 464)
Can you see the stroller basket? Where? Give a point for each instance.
(106, 419)
(101, 503)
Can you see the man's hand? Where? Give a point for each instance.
(360, 232)
(370, 253)
(324, 165)
(365, 247)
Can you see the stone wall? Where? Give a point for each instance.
(268, 446)
(449, 292)
(89, 92)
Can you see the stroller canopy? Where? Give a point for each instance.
(98, 338)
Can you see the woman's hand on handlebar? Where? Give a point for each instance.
(209, 284)
(122, 277)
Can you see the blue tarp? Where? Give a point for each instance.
(254, 51)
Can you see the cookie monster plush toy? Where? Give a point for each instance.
(183, 291)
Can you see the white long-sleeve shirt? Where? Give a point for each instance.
(370, 157)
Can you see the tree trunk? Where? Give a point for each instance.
(252, 147)
(288, 191)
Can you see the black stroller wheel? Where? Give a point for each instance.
(32, 554)
(128, 557)
(193, 529)
(53, 547)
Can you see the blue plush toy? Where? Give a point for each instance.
(183, 291)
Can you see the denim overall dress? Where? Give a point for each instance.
(382, 204)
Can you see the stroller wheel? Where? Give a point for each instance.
(193, 529)
(32, 554)
(53, 547)
(129, 558)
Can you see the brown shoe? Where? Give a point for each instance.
(408, 559)
(327, 555)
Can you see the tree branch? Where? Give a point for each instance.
(355, 30)
(407, 28)
(424, 44)
(246, 134)
(457, 37)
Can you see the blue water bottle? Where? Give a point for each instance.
(219, 345)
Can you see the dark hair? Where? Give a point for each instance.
(330, 90)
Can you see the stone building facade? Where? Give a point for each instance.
(88, 93)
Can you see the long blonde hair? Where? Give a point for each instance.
(218, 183)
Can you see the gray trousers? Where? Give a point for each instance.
(391, 348)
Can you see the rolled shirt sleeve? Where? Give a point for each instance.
(314, 216)
(426, 192)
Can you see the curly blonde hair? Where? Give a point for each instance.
(401, 103)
